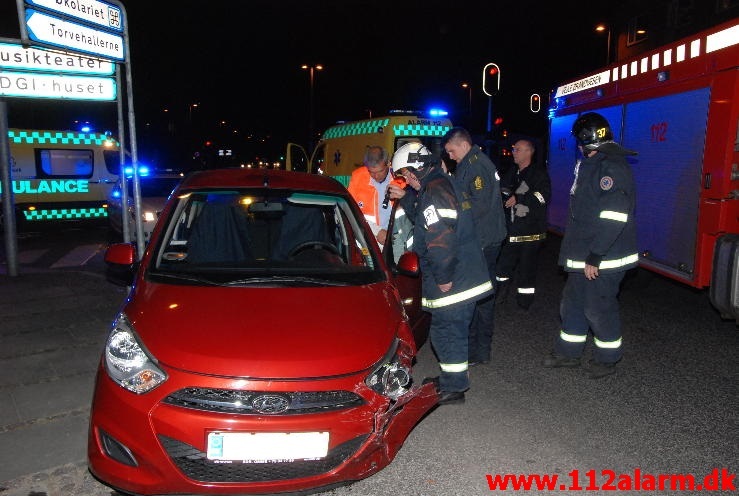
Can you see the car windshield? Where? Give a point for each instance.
(264, 236)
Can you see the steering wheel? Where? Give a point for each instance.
(316, 245)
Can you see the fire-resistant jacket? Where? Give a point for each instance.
(445, 239)
(532, 188)
(601, 229)
(478, 177)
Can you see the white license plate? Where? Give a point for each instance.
(257, 447)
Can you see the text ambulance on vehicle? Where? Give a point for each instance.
(61, 175)
(341, 148)
(678, 107)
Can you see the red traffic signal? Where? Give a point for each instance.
(535, 103)
(491, 79)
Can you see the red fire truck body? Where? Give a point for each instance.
(678, 107)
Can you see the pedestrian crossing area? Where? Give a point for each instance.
(56, 258)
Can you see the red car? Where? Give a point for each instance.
(265, 346)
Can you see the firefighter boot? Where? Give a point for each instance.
(554, 360)
(596, 369)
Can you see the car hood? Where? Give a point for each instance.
(266, 332)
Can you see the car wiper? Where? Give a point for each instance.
(187, 278)
(285, 280)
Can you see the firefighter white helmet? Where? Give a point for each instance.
(414, 155)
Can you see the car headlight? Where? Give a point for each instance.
(126, 361)
(392, 376)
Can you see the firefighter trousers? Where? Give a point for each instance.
(591, 305)
(521, 258)
(449, 333)
(483, 323)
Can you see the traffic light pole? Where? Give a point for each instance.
(490, 86)
(490, 114)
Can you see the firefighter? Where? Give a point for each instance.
(599, 245)
(452, 262)
(479, 179)
(526, 191)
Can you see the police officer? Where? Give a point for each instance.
(478, 177)
(599, 245)
(526, 192)
(452, 262)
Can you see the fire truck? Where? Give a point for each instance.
(341, 148)
(678, 107)
(61, 175)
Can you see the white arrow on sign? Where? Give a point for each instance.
(19, 57)
(66, 87)
(101, 13)
(54, 31)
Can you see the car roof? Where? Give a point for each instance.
(275, 178)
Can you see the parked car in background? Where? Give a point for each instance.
(266, 345)
(155, 188)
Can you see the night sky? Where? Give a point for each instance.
(240, 61)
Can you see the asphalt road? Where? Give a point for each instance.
(671, 408)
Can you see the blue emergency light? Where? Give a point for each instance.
(434, 112)
(143, 170)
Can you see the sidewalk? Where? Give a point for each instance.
(53, 326)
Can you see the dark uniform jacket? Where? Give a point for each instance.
(479, 178)
(445, 239)
(532, 189)
(601, 229)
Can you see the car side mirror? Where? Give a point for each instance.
(409, 264)
(121, 264)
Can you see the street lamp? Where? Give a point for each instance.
(189, 111)
(605, 27)
(311, 121)
(468, 87)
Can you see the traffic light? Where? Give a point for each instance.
(535, 103)
(491, 79)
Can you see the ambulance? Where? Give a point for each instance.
(678, 107)
(341, 148)
(60, 176)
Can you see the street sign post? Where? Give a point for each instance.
(50, 30)
(102, 34)
(18, 57)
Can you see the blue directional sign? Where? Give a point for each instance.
(54, 31)
(93, 11)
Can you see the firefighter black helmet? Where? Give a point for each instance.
(591, 129)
